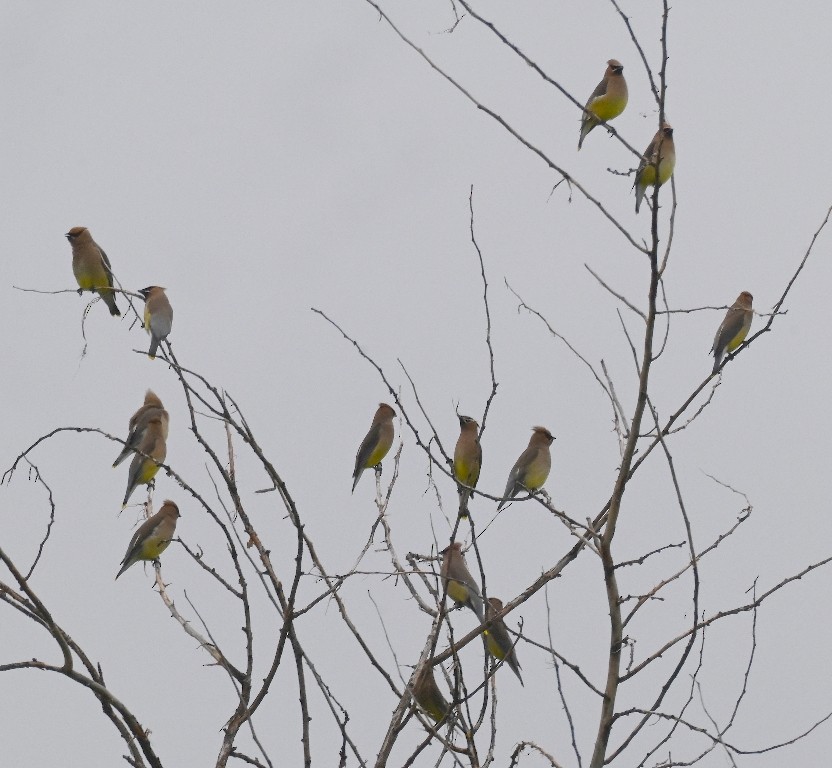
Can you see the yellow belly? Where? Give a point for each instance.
(86, 282)
(457, 592)
(535, 479)
(89, 276)
(737, 340)
(152, 549)
(466, 474)
(149, 470)
(493, 648)
(377, 455)
(606, 108)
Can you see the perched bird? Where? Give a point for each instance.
(467, 460)
(91, 267)
(662, 153)
(158, 316)
(152, 408)
(462, 586)
(376, 442)
(532, 468)
(152, 537)
(144, 468)
(497, 638)
(428, 696)
(607, 100)
(734, 328)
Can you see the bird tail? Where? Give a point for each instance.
(475, 602)
(122, 456)
(154, 346)
(356, 477)
(110, 300)
(639, 194)
(586, 127)
(464, 496)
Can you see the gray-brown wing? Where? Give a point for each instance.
(731, 326)
(107, 268)
(600, 90)
(365, 450)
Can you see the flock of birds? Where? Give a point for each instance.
(529, 473)
(148, 427)
(607, 102)
(531, 469)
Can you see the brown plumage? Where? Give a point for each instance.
(152, 408)
(467, 460)
(143, 468)
(152, 537)
(427, 694)
(158, 316)
(607, 101)
(91, 267)
(531, 470)
(734, 328)
(376, 442)
(462, 586)
(661, 154)
(497, 639)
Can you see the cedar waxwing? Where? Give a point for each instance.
(158, 316)
(607, 100)
(661, 152)
(734, 328)
(152, 537)
(427, 694)
(376, 442)
(532, 468)
(467, 460)
(498, 640)
(152, 408)
(91, 267)
(142, 468)
(462, 587)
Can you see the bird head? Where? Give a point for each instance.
(145, 292)
(465, 421)
(75, 233)
(543, 434)
(385, 412)
(455, 548)
(173, 509)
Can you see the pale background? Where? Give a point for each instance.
(262, 158)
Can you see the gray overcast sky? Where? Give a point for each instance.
(258, 159)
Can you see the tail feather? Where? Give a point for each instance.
(464, 496)
(110, 300)
(515, 667)
(586, 127)
(639, 195)
(122, 456)
(356, 477)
